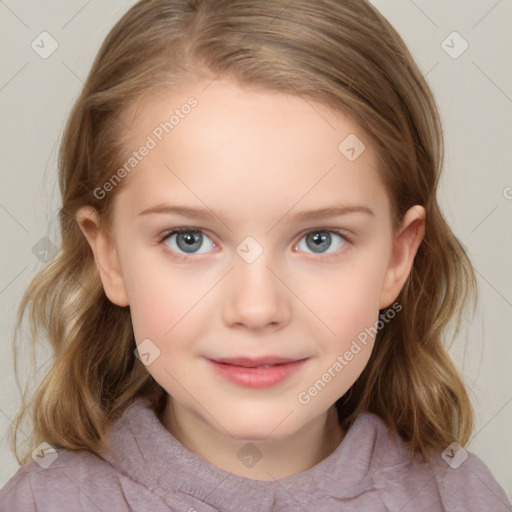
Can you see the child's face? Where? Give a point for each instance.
(254, 286)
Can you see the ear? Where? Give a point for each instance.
(405, 245)
(105, 255)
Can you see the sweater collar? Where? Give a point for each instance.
(141, 448)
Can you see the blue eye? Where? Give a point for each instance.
(319, 240)
(187, 240)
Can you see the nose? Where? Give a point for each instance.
(255, 297)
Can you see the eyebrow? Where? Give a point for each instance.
(205, 214)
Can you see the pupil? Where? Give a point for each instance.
(192, 241)
(320, 241)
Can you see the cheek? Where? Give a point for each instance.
(347, 298)
(170, 306)
(349, 307)
(164, 306)
(160, 301)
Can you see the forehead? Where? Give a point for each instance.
(247, 148)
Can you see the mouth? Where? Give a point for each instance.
(261, 372)
(261, 362)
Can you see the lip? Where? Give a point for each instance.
(253, 362)
(248, 372)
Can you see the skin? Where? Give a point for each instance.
(255, 158)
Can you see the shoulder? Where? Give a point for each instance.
(453, 479)
(465, 482)
(70, 480)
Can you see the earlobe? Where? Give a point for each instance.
(105, 255)
(405, 246)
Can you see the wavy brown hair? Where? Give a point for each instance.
(342, 53)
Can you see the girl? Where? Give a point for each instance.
(248, 304)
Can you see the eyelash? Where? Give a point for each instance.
(321, 257)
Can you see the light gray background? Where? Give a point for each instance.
(473, 91)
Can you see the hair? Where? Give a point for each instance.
(342, 53)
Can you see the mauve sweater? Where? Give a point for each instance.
(145, 468)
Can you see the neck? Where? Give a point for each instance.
(279, 458)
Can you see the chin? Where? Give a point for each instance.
(261, 427)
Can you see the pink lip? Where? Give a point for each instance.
(247, 372)
(253, 362)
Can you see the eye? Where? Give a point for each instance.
(319, 240)
(186, 240)
(181, 242)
